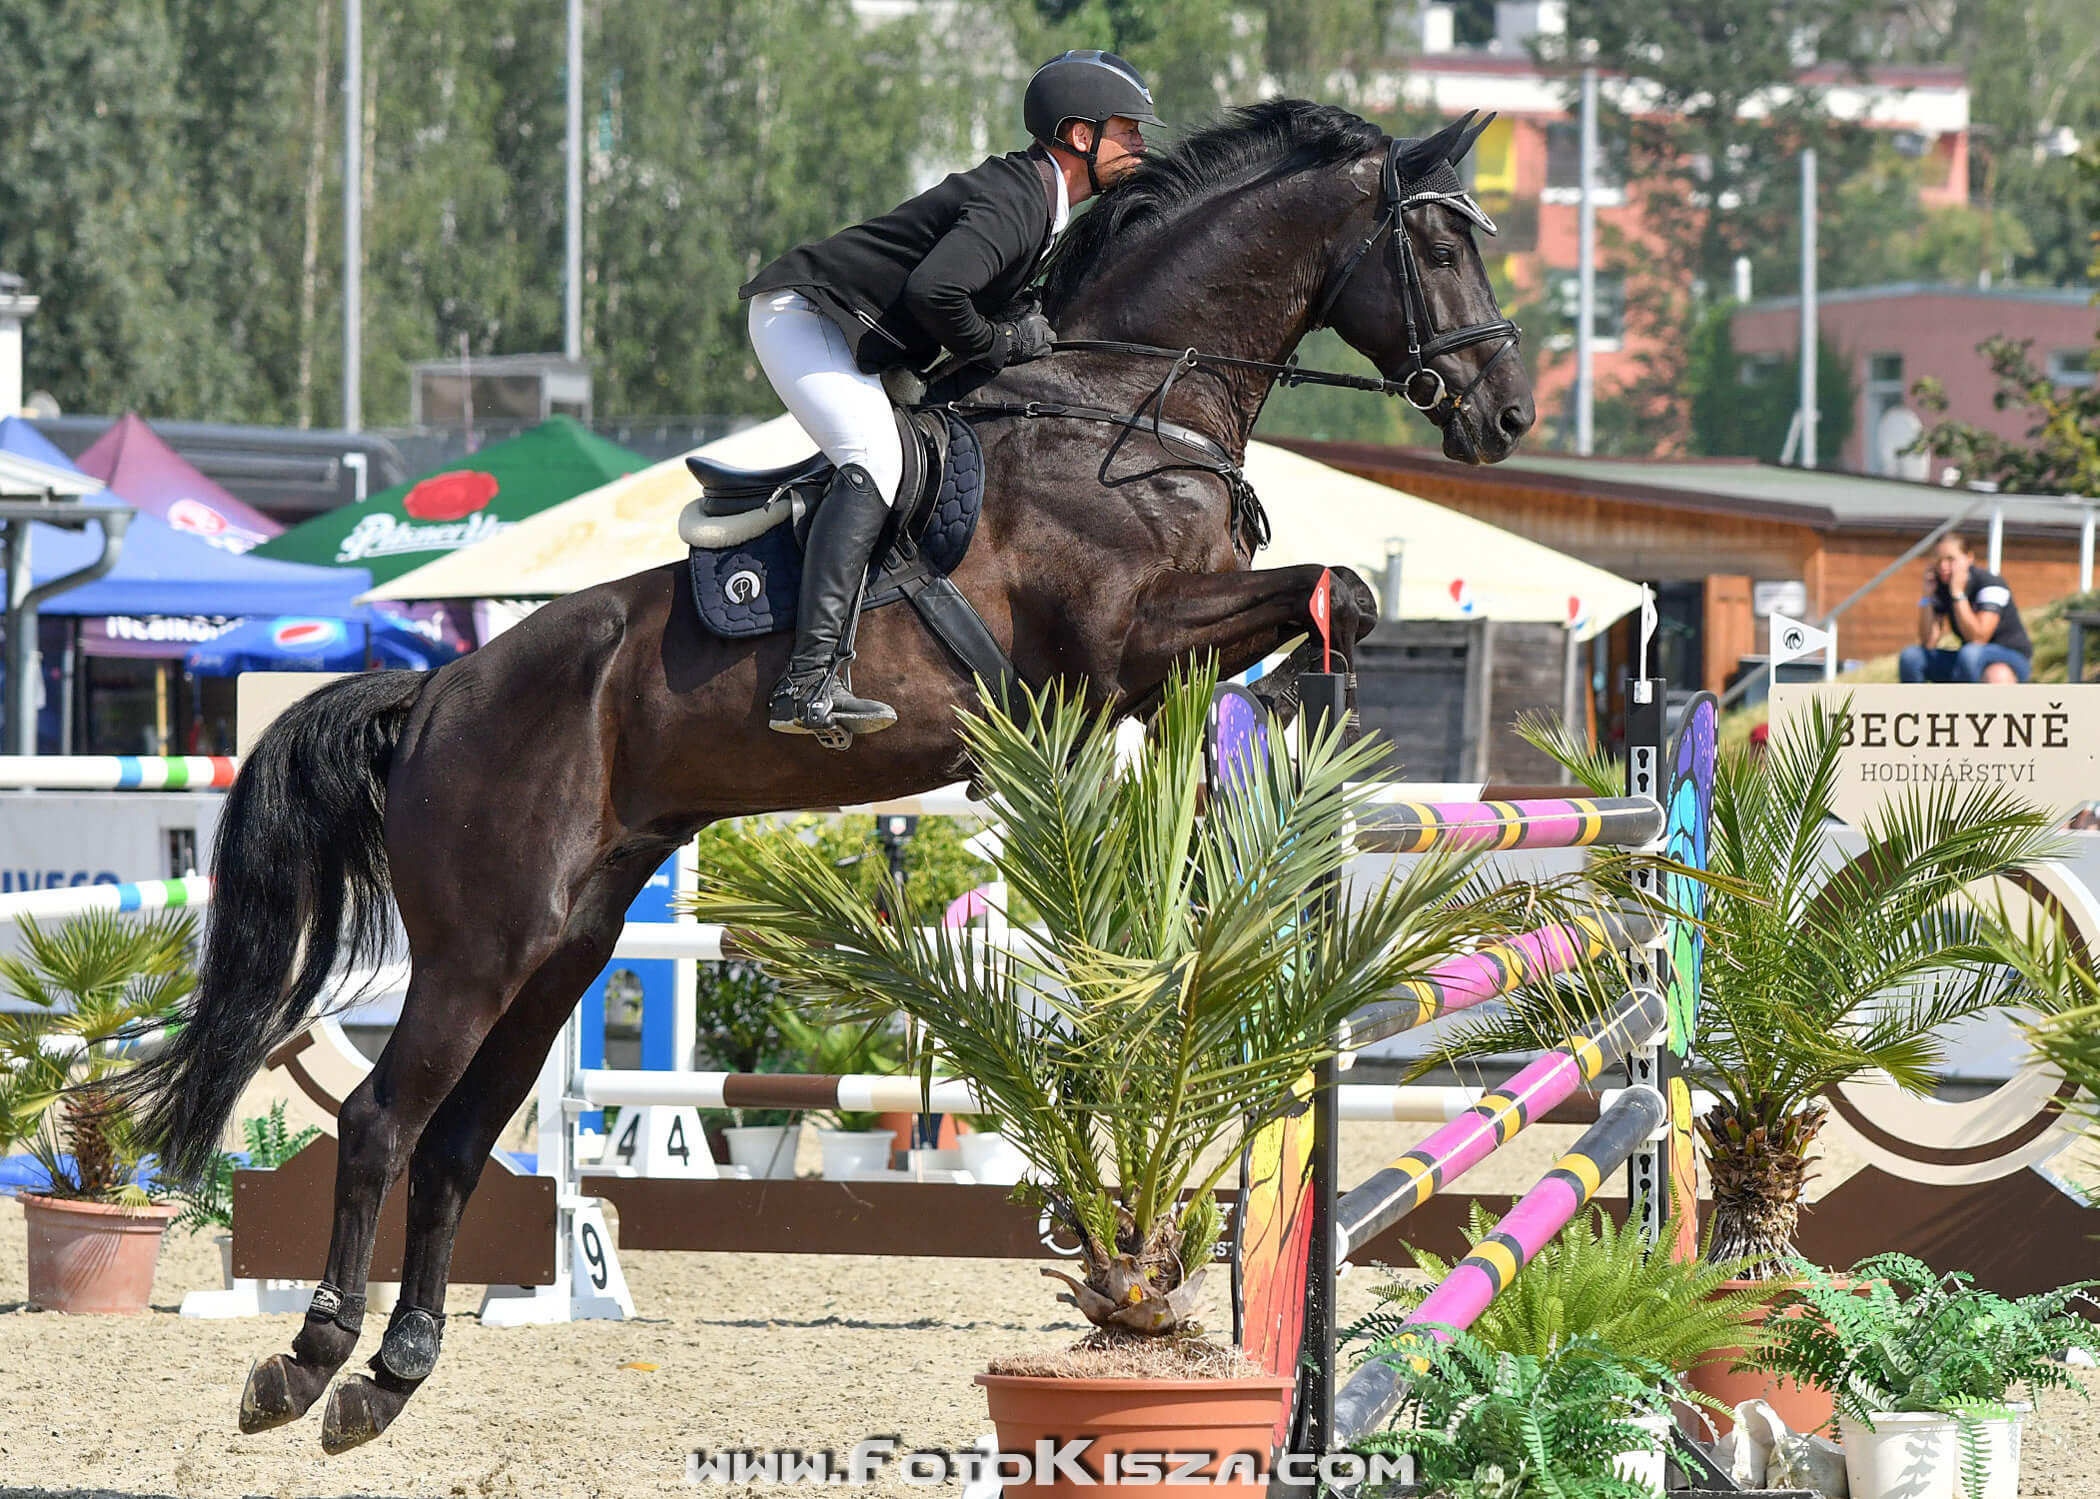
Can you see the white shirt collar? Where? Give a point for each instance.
(1064, 203)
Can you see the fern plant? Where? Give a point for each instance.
(1596, 1280)
(1482, 1422)
(1897, 1337)
(270, 1141)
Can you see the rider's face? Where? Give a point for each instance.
(1122, 143)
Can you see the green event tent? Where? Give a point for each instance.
(464, 502)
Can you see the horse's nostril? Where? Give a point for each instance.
(1514, 421)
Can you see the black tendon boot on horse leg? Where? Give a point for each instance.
(362, 1407)
(283, 1387)
(811, 697)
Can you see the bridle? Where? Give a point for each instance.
(1425, 345)
(1440, 184)
(1250, 526)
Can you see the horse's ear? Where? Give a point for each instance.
(1472, 134)
(1420, 156)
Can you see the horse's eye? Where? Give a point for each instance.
(1443, 252)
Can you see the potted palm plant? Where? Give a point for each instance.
(1815, 972)
(96, 982)
(1170, 997)
(1923, 1366)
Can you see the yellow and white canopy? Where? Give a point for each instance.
(1452, 566)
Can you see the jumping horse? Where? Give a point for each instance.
(513, 803)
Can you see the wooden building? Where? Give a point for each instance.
(1725, 542)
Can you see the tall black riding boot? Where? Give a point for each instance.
(809, 698)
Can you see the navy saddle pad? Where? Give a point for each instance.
(750, 588)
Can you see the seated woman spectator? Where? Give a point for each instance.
(1978, 606)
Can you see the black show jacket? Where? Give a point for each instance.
(925, 276)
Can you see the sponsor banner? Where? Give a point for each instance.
(383, 535)
(208, 523)
(150, 635)
(2037, 740)
(51, 840)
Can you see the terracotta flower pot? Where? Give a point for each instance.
(1804, 1408)
(92, 1256)
(1218, 1417)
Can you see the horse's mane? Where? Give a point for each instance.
(1246, 146)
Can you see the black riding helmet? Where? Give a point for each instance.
(1085, 85)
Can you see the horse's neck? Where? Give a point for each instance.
(1237, 277)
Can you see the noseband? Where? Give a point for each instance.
(1423, 385)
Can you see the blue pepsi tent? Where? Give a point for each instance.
(310, 643)
(162, 571)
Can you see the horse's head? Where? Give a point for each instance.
(1414, 297)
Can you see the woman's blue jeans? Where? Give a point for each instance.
(1965, 665)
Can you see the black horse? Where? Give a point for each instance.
(514, 803)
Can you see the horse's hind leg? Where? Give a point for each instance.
(455, 1145)
(452, 1003)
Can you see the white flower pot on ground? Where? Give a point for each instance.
(1647, 1465)
(990, 1157)
(849, 1151)
(767, 1151)
(1919, 1456)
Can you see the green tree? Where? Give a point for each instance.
(1709, 120)
(97, 213)
(2034, 72)
(1741, 410)
(2061, 450)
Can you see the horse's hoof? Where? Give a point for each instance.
(272, 1397)
(358, 1410)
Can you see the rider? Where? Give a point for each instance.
(945, 271)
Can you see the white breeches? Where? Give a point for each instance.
(843, 408)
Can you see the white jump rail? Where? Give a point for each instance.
(117, 772)
(216, 773)
(884, 1093)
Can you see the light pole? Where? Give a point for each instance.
(1808, 308)
(1586, 273)
(353, 207)
(572, 282)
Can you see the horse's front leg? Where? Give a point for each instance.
(1241, 617)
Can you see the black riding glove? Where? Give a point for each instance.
(1027, 337)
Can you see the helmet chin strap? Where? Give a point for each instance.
(1091, 156)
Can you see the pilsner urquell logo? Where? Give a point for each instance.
(455, 507)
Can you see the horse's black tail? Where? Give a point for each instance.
(300, 882)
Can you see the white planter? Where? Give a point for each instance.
(767, 1151)
(920, 1163)
(1647, 1465)
(991, 1157)
(850, 1151)
(1918, 1456)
